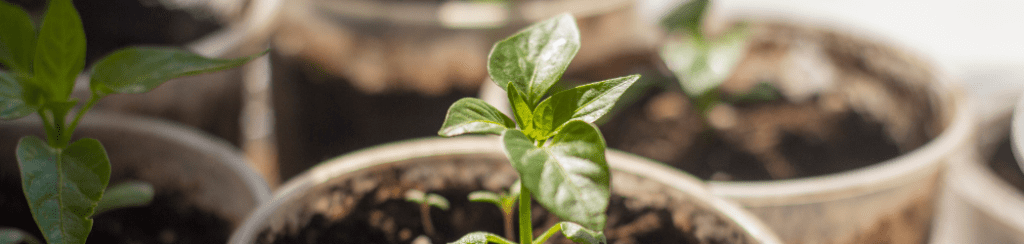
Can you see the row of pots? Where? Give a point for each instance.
(890, 201)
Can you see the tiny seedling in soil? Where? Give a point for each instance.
(702, 63)
(506, 201)
(553, 144)
(426, 201)
(65, 182)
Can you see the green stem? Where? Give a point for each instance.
(51, 132)
(547, 234)
(525, 222)
(78, 117)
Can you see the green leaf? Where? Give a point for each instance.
(587, 103)
(535, 58)
(126, 195)
(472, 115)
(62, 186)
(520, 109)
(579, 234)
(60, 50)
(419, 197)
(11, 104)
(687, 16)
(481, 238)
(140, 69)
(17, 38)
(15, 236)
(570, 176)
(437, 201)
(702, 67)
(485, 197)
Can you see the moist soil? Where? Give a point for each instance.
(875, 105)
(369, 208)
(1005, 165)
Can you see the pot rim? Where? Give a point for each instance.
(1017, 132)
(187, 136)
(446, 14)
(986, 192)
(417, 148)
(909, 167)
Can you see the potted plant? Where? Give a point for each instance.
(63, 178)
(984, 197)
(211, 28)
(826, 136)
(336, 63)
(557, 154)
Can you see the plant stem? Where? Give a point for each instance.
(525, 220)
(51, 132)
(428, 227)
(547, 234)
(508, 225)
(78, 117)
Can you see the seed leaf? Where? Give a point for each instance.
(59, 51)
(579, 234)
(472, 115)
(140, 69)
(63, 186)
(15, 236)
(703, 66)
(535, 58)
(481, 238)
(570, 176)
(17, 38)
(11, 104)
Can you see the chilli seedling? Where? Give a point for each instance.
(553, 144)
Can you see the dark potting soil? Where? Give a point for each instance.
(683, 141)
(1005, 165)
(369, 208)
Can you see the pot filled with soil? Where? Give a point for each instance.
(203, 186)
(354, 73)
(359, 197)
(849, 149)
(983, 201)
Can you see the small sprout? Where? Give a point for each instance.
(506, 201)
(552, 143)
(426, 201)
(702, 63)
(15, 236)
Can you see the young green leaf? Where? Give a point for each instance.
(704, 66)
(140, 69)
(535, 58)
(520, 109)
(63, 185)
(17, 38)
(569, 177)
(60, 50)
(15, 236)
(472, 115)
(481, 238)
(125, 195)
(11, 104)
(687, 16)
(579, 234)
(587, 103)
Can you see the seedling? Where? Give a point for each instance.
(553, 143)
(506, 201)
(702, 63)
(64, 181)
(426, 201)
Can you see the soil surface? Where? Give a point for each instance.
(369, 208)
(1005, 165)
(845, 103)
